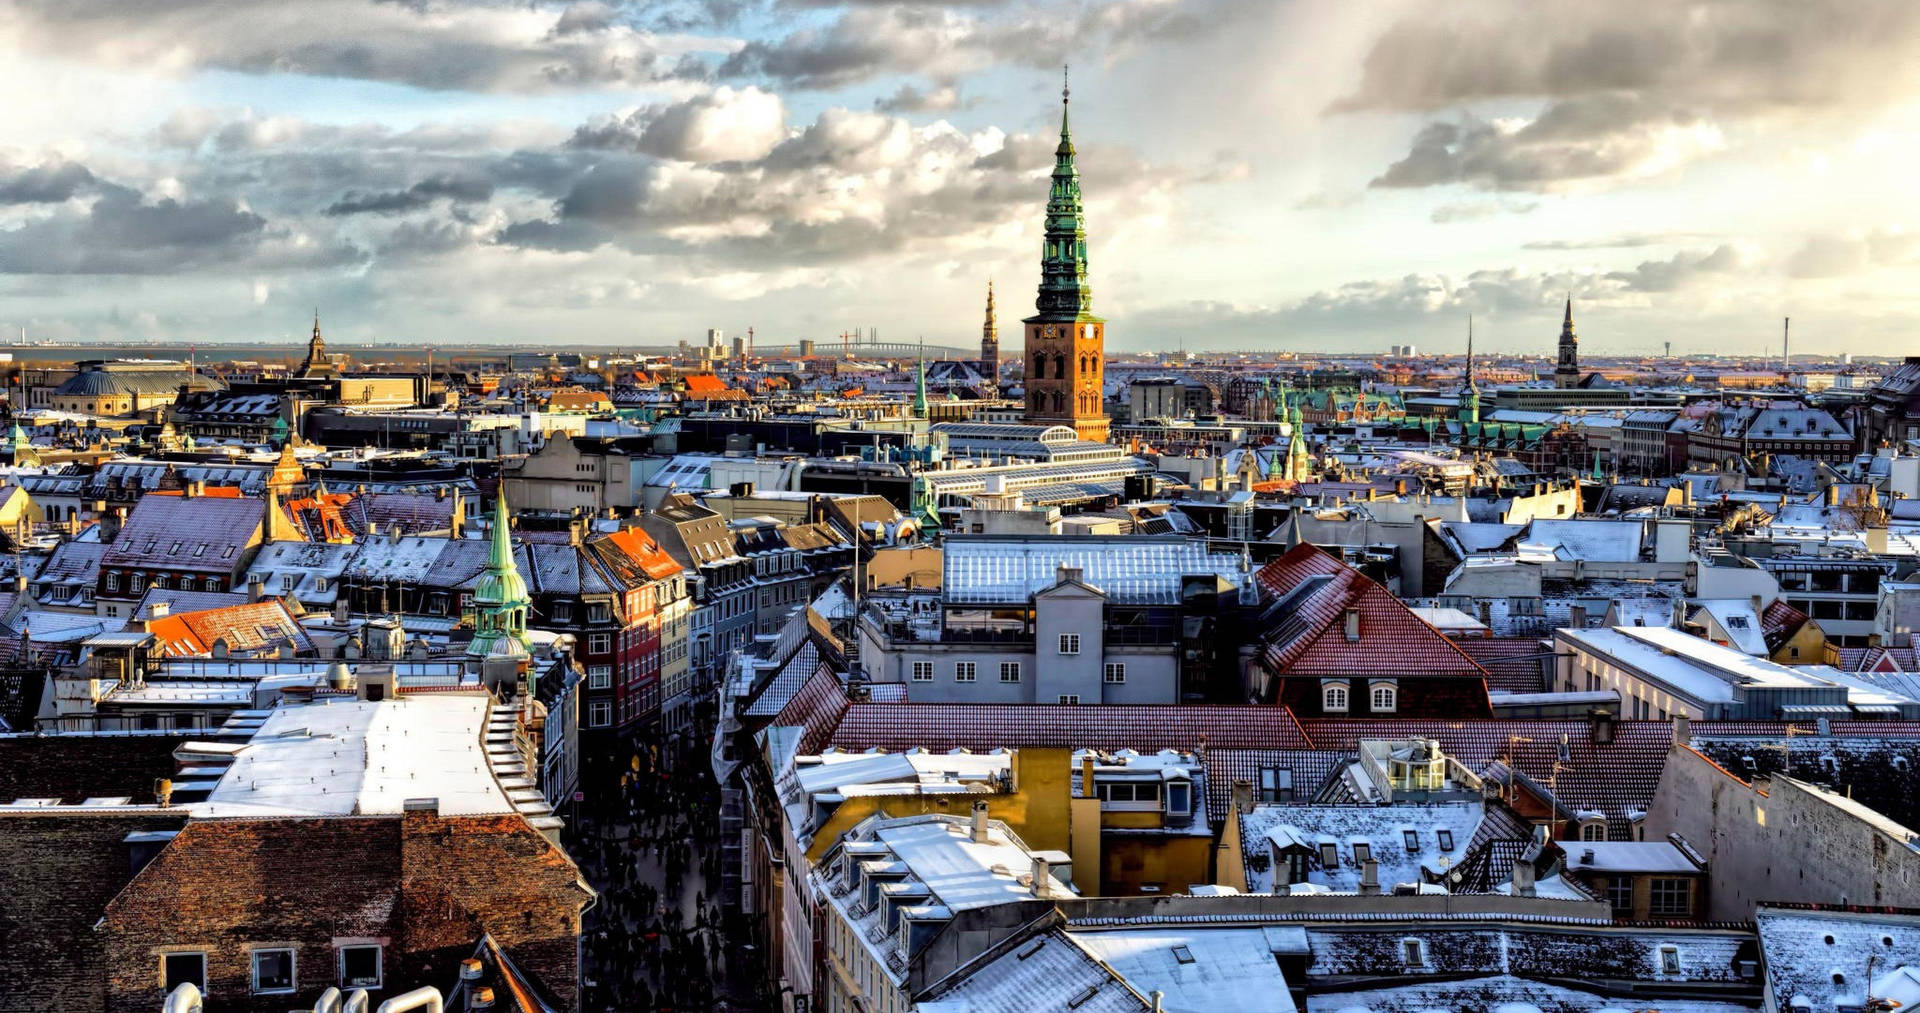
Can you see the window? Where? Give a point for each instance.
(1069, 698)
(1362, 851)
(1129, 791)
(599, 643)
(160, 581)
(1413, 952)
(1276, 784)
(600, 714)
(1669, 898)
(1069, 643)
(597, 612)
(137, 583)
(1669, 960)
(1329, 855)
(1412, 839)
(563, 612)
(1384, 699)
(1333, 699)
(1009, 671)
(963, 671)
(273, 971)
(287, 581)
(360, 966)
(1620, 896)
(1593, 831)
(178, 968)
(1116, 671)
(1445, 837)
(1183, 955)
(600, 677)
(1179, 797)
(923, 671)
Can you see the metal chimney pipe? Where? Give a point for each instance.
(425, 997)
(185, 998)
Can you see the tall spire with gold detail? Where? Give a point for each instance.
(990, 343)
(1065, 342)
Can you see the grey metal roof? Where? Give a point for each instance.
(1128, 569)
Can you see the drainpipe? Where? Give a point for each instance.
(183, 999)
(425, 997)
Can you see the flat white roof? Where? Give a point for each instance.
(356, 757)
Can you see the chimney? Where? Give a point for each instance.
(1523, 878)
(1682, 730)
(480, 999)
(1042, 877)
(1243, 796)
(1353, 625)
(1370, 877)
(256, 587)
(1600, 726)
(979, 833)
(163, 792)
(157, 610)
(1577, 617)
(1755, 600)
(1158, 997)
(471, 969)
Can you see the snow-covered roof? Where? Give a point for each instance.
(1199, 970)
(360, 757)
(1131, 569)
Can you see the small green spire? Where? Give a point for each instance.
(500, 597)
(920, 385)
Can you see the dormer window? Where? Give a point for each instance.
(1329, 855)
(1412, 838)
(1669, 960)
(1362, 852)
(1445, 837)
(1333, 697)
(1179, 797)
(1413, 953)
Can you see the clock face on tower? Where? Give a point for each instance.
(1050, 332)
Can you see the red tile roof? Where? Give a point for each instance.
(1513, 664)
(251, 627)
(1310, 636)
(816, 707)
(644, 551)
(898, 726)
(705, 383)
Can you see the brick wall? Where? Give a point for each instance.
(424, 887)
(58, 870)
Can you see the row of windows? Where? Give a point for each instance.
(1384, 697)
(276, 969)
(137, 583)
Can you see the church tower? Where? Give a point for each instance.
(317, 364)
(1567, 374)
(1065, 342)
(990, 343)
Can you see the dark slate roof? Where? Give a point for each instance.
(1513, 664)
(1309, 767)
(1616, 778)
(168, 532)
(1805, 947)
(1879, 771)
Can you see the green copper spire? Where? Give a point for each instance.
(500, 599)
(920, 386)
(1064, 292)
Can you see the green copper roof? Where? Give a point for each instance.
(500, 598)
(1065, 294)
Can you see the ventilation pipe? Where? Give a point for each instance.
(185, 998)
(979, 834)
(330, 1001)
(425, 997)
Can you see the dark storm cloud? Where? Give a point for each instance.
(49, 183)
(1617, 80)
(124, 234)
(508, 47)
(1582, 139)
(419, 195)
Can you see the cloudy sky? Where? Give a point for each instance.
(1313, 175)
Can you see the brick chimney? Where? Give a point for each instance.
(978, 831)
